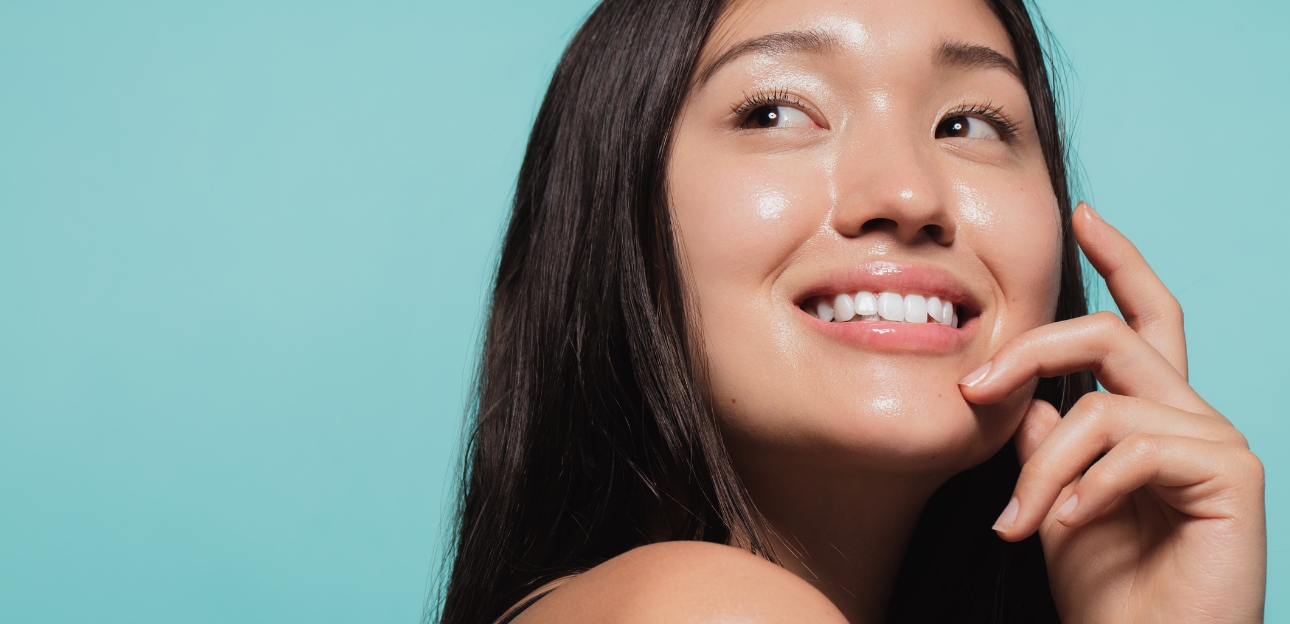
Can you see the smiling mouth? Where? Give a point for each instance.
(888, 307)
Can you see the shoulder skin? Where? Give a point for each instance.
(692, 582)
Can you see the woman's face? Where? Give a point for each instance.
(834, 148)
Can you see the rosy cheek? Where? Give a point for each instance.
(741, 222)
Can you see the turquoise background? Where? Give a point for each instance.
(243, 251)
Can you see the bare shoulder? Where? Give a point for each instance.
(684, 582)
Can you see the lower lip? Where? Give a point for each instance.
(886, 335)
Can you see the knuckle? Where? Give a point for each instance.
(1169, 309)
(1097, 404)
(1240, 440)
(1095, 410)
(1111, 331)
(1123, 333)
(1141, 445)
(1223, 431)
(1253, 465)
(1107, 321)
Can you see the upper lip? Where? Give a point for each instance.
(886, 276)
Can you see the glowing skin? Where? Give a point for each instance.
(849, 174)
(828, 421)
(866, 181)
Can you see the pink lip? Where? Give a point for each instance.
(906, 279)
(885, 335)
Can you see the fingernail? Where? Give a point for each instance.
(1067, 508)
(1009, 516)
(1093, 212)
(975, 377)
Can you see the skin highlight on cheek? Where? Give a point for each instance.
(972, 206)
(770, 203)
(881, 101)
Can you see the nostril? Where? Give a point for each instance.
(934, 232)
(878, 225)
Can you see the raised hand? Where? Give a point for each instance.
(1148, 501)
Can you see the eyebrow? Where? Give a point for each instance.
(972, 56)
(789, 42)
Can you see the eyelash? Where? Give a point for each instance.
(992, 113)
(765, 98)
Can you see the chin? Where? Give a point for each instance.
(932, 437)
(917, 428)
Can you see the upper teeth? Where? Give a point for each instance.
(888, 306)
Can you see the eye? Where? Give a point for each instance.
(965, 127)
(772, 116)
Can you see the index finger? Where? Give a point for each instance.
(1118, 357)
(1147, 305)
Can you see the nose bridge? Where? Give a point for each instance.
(887, 180)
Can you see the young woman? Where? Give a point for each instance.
(789, 326)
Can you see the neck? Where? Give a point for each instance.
(846, 534)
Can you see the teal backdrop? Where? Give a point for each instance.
(244, 249)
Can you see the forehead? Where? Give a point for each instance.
(875, 29)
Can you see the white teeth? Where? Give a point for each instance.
(888, 306)
(866, 304)
(843, 308)
(891, 307)
(824, 311)
(915, 309)
(934, 309)
(940, 311)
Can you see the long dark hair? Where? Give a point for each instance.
(590, 432)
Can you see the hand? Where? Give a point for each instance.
(1148, 502)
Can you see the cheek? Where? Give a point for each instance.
(738, 223)
(1015, 231)
(740, 220)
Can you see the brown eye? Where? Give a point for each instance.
(772, 116)
(967, 128)
(764, 117)
(952, 127)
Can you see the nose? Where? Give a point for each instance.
(892, 190)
